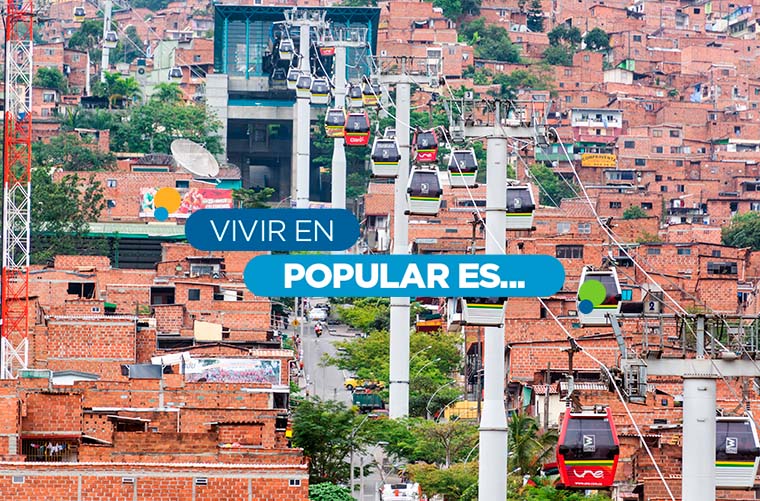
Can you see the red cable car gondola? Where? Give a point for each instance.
(357, 129)
(588, 450)
(426, 146)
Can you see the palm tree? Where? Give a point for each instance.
(528, 447)
(167, 92)
(116, 88)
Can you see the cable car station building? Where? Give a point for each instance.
(248, 90)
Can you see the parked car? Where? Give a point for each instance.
(367, 401)
(401, 492)
(353, 383)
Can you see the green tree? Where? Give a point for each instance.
(329, 492)
(597, 39)
(70, 153)
(167, 92)
(744, 231)
(87, 38)
(251, 198)
(153, 126)
(552, 188)
(634, 212)
(536, 16)
(117, 88)
(521, 79)
(60, 213)
(415, 439)
(564, 34)
(79, 118)
(327, 431)
(559, 55)
(528, 447)
(490, 42)
(129, 48)
(154, 5)
(451, 483)
(51, 78)
(357, 177)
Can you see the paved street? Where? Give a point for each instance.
(327, 383)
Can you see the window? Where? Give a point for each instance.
(616, 205)
(653, 251)
(111, 204)
(737, 130)
(81, 289)
(182, 183)
(584, 99)
(658, 178)
(657, 149)
(679, 163)
(196, 58)
(640, 162)
(697, 11)
(637, 38)
(48, 97)
(584, 228)
(568, 99)
(664, 189)
(684, 251)
(193, 294)
(586, 58)
(568, 72)
(675, 150)
(563, 228)
(656, 133)
(722, 268)
(715, 253)
(646, 205)
(754, 206)
(294, 482)
(675, 133)
(569, 252)
(680, 188)
(712, 116)
(629, 144)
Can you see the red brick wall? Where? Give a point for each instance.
(52, 412)
(244, 434)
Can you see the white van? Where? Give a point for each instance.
(401, 492)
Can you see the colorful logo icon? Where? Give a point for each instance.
(166, 201)
(590, 295)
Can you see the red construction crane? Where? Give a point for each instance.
(17, 185)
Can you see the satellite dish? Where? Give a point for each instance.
(194, 158)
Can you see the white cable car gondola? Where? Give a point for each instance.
(320, 91)
(278, 79)
(737, 452)
(175, 73)
(303, 87)
(484, 311)
(385, 158)
(599, 295)
(79, 14)
(390, 133)
(292, 78)
(111, 40)
(424, 192)
(355, 97)
(454, 317)
(335, 122)
(463, 168)
(520, 207)
(286, 49)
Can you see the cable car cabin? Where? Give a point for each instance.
(454, 317)
(520, 207)
(79, 14)
(292, 78)
(390, 133)
(463, 168)
(355, 97)
(303, 86)
(587, 450)
(426, 147)
(599, 295)
(175, 73)
(356, 132)
(424, 192)
(737, 452)
(110, 41)
(370, 94)
(320, 91)
(484, 311)
(278, 79)
(286, 49)
(335, 122)
(385, 158)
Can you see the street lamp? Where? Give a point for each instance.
(423, 349)
(427, 407)
(426, 364)
(380, 444)
(351, 452)
(443, 409)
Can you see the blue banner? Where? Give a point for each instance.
(272, 229)
(402, 276)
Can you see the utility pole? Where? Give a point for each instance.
(302, 118)
(105, 55)
(492, 471)
(699, 405)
